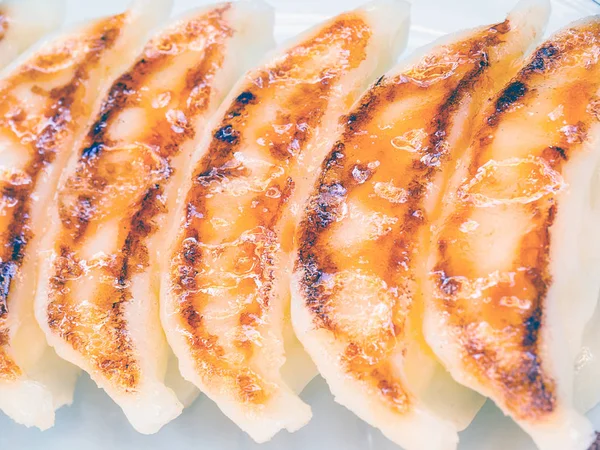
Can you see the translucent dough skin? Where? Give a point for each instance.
(505, 318)
(22, 22)
(362, 245)
(225, 299)
(45, 102)
(98, 296)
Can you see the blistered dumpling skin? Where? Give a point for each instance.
(362, 245)
(98, 290)
(225, 294)
(22, 22)
(511, 285)
(45, 104)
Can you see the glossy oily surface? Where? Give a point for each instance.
(98, 294)
(225, 292)
(34, 149)
(499, 278)
(362, 245)
(95, 422)
(46, 101)
(240, 193)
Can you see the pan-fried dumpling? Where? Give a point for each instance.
(513, 276)
(22, 22)
(97, 297)
(362, 246)
(225, 291)
(45, 103)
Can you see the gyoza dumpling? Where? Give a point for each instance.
(22, 22)
(513, 277)
(97, 297)
(225, 289)
(45, 104)
(362, 245)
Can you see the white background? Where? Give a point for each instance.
(94, 422)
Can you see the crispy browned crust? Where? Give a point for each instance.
(253, 243)
(92, 192)
(41, 133)
(364, 157)
(512, 366)
(8, 369)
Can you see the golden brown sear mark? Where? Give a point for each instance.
(40, 133)
(8, 369)
(506, 354)
(99, 187)
(361, 168)
(300, 82)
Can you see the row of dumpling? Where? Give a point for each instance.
(436, 234)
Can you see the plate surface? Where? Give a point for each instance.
(94, 422)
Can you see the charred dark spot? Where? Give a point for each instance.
(100, 125)
(311, 280)
(364, 112)
(226, 134)
(555, 155)
(325, 205)
(542, 400)
(336, 155)
(193, 319)
(540, 61)
(245, 97)
(92, 151)
(560, 151)
(484, 61)
(18, 245)
(380, 80)
(190, 250)
(532, 327)
(512, 93)
(7, 272)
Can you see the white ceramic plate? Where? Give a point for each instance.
(94, 422)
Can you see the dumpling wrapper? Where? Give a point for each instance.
(513, 276)
(362, 246)
(587, 364)
(46, 101)
(98, 293)
(225, 292)
(23, 22)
